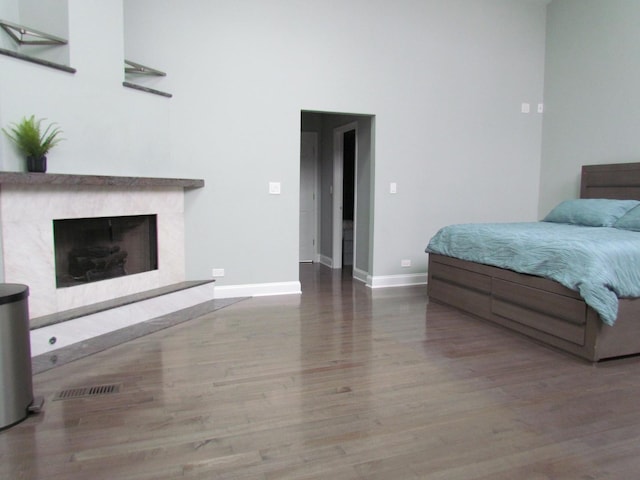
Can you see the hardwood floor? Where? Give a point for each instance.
(342, 382)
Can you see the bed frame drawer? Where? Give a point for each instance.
(569, 309)
(465, 278)
(558, 315)
(471, 291)
(537, 321)
(471, 301)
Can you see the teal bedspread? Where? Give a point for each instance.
(602, 264)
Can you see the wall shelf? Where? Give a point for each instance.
(135, 86)
(139, 69)
(27, 36)
(38, 61)
(134, 68)
(24, 35)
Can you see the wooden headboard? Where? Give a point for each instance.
(616, 180)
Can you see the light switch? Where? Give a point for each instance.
(540, 107)
(525, 108)
(274, 188)
(393, 187)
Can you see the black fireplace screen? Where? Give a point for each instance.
(92, 249)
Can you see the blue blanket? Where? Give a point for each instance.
(602, 264)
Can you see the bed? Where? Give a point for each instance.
(541, 308)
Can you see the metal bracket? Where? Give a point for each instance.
(29, 36)
(139, 69)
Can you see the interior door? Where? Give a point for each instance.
(308, 216)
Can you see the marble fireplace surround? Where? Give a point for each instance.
(29, 202)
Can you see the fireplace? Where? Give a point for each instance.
(29, 204)
(92, 249)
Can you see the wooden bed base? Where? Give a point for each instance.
(539, 308)
(534, 306)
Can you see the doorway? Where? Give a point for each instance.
(344, 190)
(345, 145)
(348, 196)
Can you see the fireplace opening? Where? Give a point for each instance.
(93, 249)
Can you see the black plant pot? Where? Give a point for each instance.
(37, 164)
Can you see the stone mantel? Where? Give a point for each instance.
(33, 179)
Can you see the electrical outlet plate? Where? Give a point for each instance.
(274, 188)
(217, 272)
(405, 263)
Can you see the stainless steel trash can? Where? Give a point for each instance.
(16, 388)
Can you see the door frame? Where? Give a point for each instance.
(337, 192)
(314, 135)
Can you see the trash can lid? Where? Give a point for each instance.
(13, 292)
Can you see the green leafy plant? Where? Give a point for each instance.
(30, 139)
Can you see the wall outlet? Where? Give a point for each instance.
(274, 188)
(405, 263)
(217, 272)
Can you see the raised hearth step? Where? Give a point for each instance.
(62, 342)
(116, 302)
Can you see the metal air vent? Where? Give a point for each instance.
(93, 391)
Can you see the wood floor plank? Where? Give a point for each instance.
(342, 382)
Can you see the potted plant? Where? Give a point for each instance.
(33, 142)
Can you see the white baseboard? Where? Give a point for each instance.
(360, 275)
(326, 261)
(257, 289)
(383, 281)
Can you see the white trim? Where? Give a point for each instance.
(336, 192)
(326, 261)
(338, 176)
(383, 281)
(316, 197)
(360, 275)
(257, 289)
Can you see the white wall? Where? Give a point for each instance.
(592, 94)
(108, 129)
(444, 78)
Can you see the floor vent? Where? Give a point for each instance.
(94, 391)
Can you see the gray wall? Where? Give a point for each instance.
(365, 215)
(443, 78)
(49, 16)
(592, 92)
(10, 12)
